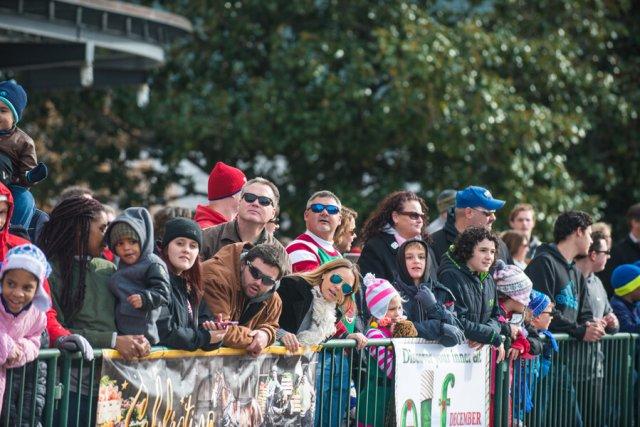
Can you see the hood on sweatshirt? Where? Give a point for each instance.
(140, 220)
(403, 273)
(550, 249)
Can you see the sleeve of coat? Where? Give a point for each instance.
(6, 347)
(30, 343)
(266, 320)
(54, 328)
(473, 331)
(157, 287)
(27, 160)
(541, 275)
(175, 336)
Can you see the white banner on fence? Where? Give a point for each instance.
(438, 386)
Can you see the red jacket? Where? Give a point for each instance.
(8, 241)
(207, 217)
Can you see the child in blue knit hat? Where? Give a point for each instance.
(19, 167)
(625, 281)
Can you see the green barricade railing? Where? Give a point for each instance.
(590, 384)
(586, 384)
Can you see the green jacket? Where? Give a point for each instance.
(95, 320)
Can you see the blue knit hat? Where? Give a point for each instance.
(538, 302)
(625, 279)
(14, 97)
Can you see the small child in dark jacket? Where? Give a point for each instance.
(141, 283)
(19, 167)
(625, 281)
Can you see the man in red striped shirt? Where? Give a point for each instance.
(315, 246)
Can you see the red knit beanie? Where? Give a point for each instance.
(225, 181)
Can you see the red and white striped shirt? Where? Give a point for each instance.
(308, 251)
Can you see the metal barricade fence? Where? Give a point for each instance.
(589, 384)
(583, 384)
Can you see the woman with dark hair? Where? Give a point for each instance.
(399, 217)
(465, 271)
(518, 245)
(180, 321)
(72, 240)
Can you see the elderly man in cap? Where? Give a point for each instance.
(445, 201)
(475, 207)
(223, 191)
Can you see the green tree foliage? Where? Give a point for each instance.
(535, 100)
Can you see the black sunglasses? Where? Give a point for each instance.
(259, 275)
(263, 200)
(413, 215)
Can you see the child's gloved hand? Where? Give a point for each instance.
(75, 342)
(38, 173)
(451, 336)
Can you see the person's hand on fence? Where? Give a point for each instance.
(475, 345)
(290, 341)
(451, 336)
(215, 336)
(260, 341)
(14, 356)
(594, 332)
(131, 346)
(361, 340)
(611, 321)
(135, 300)
(75, 342)
(514, 353)
(500, 353)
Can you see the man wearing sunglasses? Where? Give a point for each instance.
(240, 284)
(475, 207)
(315, 246)
(259, 201)
(223, 191)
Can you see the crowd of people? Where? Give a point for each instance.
(87, 277)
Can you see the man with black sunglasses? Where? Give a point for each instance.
(259, 201)
(315, 246)
(475, 207)
(240, 284)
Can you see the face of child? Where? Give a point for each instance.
(483, 255)
(543, 320)
(333, 283)
(4, 211)
(513, 306)
(415, 259)
(6, 117)
(394, 310)
(182, 253)
(18, 289)
(128, 250)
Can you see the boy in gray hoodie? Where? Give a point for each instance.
(141, 283)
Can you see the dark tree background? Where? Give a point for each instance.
(537, 101)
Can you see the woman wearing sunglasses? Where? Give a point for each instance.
(312, 304)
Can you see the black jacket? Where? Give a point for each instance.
(476, 300)
(564, 284)
(176, 327)
(297, 298)
(625, 251)
(442, 239)
(379, 257)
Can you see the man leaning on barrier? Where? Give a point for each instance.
(240, 284)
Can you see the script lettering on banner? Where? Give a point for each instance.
(447, 386)
(207, 389)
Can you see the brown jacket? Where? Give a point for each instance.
(216, 237)
(22, 151)
(223, 294)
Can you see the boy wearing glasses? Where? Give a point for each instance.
(240, 284)
(315, 246)
(259, 201)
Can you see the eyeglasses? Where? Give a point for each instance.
(319, 207)
(259, 275)
(486, 213)
(262, 200)
(549, 313)
(413, 215)
(603, 252)
(337, 279)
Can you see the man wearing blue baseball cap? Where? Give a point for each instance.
(475, 207)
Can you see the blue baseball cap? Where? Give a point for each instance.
(477, 197)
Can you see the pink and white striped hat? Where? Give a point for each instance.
(379, 293)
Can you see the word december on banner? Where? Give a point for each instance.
(452, 389)
(222, 387)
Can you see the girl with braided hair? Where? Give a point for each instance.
(72, 241)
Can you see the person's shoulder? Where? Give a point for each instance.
(21, 136)
(102, 266)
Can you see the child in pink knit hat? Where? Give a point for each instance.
(514, 293)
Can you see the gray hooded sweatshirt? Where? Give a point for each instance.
(147, 277)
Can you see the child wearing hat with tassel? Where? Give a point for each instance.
(387, 321)
(23, 307)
